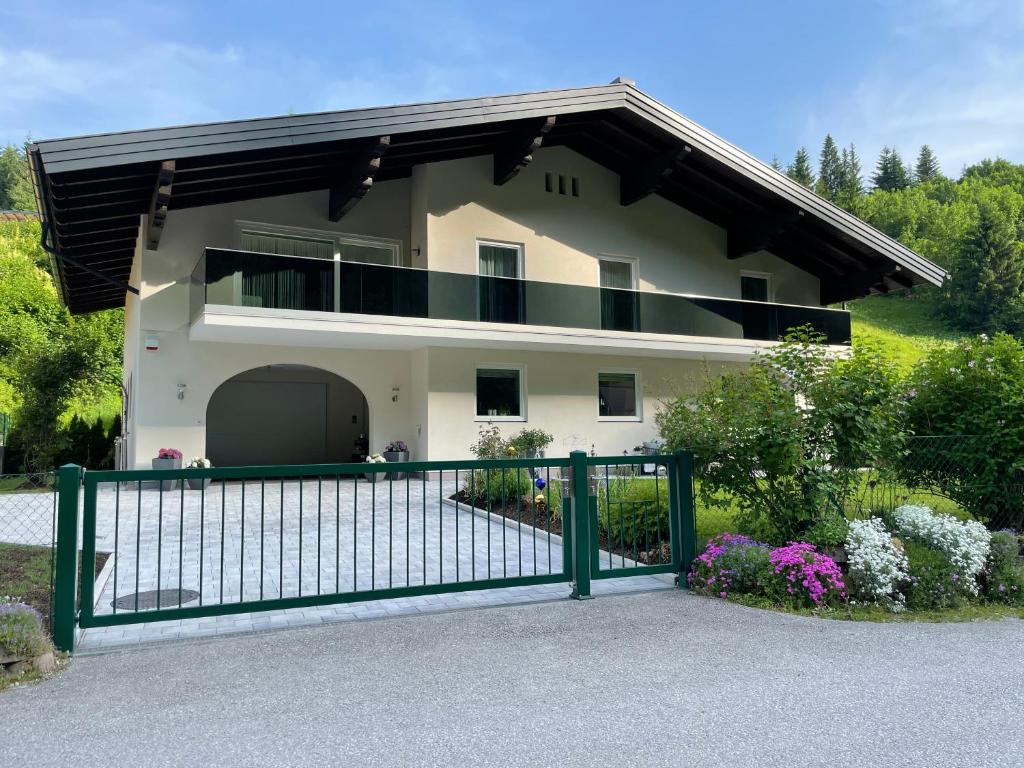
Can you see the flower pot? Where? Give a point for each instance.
(396, 456)
(374, 477)
(167, 485)
(198, 483)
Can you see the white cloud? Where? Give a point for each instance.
(956, 83)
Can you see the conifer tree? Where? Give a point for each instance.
(830, 170)
(852, 185)
(890, 172)
(927, 166)
(800, 169)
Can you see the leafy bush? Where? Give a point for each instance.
(802, 576)
(965, 544)
(877, 567)
(1004, 571)
(933, 581)
(530, 441)
(828, 532)
(21, 630)
(972, 389)
(633, 511)
(784, 438)
(731, 563)
(499, 486)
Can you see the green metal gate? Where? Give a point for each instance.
(190, 543)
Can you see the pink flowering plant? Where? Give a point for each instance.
(169, 453)
(803, 576)
(730, 564)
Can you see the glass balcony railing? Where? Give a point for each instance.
(240, 278)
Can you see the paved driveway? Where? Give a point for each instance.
(662, 679)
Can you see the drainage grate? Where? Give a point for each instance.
(169, 598)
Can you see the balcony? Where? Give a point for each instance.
(297, 286)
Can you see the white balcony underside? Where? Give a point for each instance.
(301, 328)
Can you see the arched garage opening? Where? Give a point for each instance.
(286, 414)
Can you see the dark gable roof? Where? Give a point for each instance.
(94, 188)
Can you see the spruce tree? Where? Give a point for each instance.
(984, 292)
(927, 166)
(830, 170)
(852, 185)
(800, 169)
(776, 164)
(890, 172)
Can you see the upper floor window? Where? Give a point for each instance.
(500, 300)
(755, 286)
(314, 244)
(499, 259)
(620, 307)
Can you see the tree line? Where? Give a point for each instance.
(973, 225)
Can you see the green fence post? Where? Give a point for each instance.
(580, 525)
(567, 551)
(687, 515)
(66, 567)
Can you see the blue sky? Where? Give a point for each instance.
(768, 76)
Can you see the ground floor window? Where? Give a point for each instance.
(617, 396)
(499, 393)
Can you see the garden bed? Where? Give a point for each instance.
(25, 573)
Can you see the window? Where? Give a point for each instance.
(315, 244)
(499, 393)
(755, 286)
(620, 309)
(287, 245)
(617, 396)
(499, 259)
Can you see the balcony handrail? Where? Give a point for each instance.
(525, 280)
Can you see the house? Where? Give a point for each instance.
(304, 288)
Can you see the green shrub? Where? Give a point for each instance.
(934, 581)
(499, 486)
(530, 441)
(1003, 580)
(21, 630)
(633, 511)
(828, 533)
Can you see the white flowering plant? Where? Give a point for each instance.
(376, 458)
(966, 543)
(877, 566)
(199, 462)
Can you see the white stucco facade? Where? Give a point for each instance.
(418, 377)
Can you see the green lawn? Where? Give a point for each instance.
(905, 327)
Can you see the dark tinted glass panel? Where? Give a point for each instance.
(753, 288)
(497, 392)
(616, 393)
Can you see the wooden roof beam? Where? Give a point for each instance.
(352, 184)
(760, 235)
(517, 152)
(159, 205)
(651, 175)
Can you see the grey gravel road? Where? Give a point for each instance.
(664, 679)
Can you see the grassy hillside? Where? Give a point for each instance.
(903, 325)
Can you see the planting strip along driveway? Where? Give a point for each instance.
(212, 542)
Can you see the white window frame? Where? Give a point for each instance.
(766, 276)
(638, 393)
(634, 267)
(520, 261)
(522, 390)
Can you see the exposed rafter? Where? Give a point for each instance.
(355, 181)
(759, 235)
(649, 176)
(858, 284)
(159, 204)
(517, 152)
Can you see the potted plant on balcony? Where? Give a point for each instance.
(168, 458)
(375, 459)
(397, 450)
(198, 483)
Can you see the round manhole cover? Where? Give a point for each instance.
(147, 601)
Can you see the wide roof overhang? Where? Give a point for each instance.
(92, 190)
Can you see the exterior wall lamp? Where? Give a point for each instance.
(181, 391)
(394, 394)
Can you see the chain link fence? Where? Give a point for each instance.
(28, 506)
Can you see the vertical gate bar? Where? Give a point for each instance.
(504, 549)
(391, 529)
(280, 547)
(202, 540)
(456, 524)
(580, 525)
(355, 533)
(300, 536)
(487, 493)
(472, 521)
(424, 529)
(547, 505)
(181, 537)
(223, 512)
(608, 507)
(66, 576)
(373, 533)
(337, 533)
(159, 539)
(138, 541)
(440, 527)
(117, 518)
(533, 502)
(53, 551)
(674, 517)
(687, 521)
(241, 551)
(319, 501)
(263, 518)
(408, 552)
(519, 519)
(88, 564)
